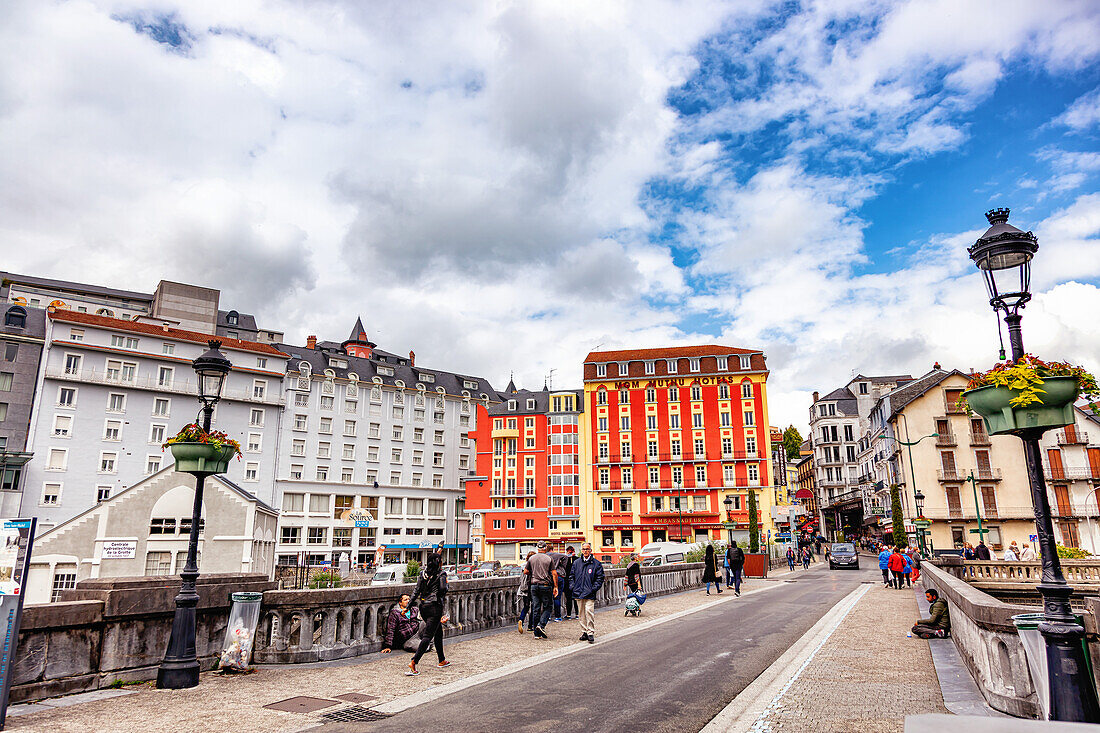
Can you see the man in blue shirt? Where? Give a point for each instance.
(884, 564)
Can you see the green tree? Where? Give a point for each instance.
(754, 526)
(899, 521)
(792, 443)
(412, 571)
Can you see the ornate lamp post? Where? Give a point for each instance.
(180, 667)
(1003, 254)
(728, 501)
(918, 497)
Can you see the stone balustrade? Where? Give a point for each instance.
(298, 626)
(1012, 571)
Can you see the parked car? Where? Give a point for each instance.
(480, 573)
(464, 571)
(843, 555)
(449, 570)
(389, 575)
(663, 553)
(509, 571)
(491, 565)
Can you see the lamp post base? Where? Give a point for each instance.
(180, 667)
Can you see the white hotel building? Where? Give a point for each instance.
(369, 430)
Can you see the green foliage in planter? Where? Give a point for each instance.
(900, 537)
(1026, 377)
(412, 571)
(325, 579)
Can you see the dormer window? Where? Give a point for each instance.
(671, 363)
(426, 377)
(863, 388)
(232, 318)
(385, 371)
(746, 361)
(723, 363)
(16, 317)
(530, 404)
(651, 367)
(468, 384)
(338, 363)
(693, 365)
(622, 368)
(601, 370)
(511, 404)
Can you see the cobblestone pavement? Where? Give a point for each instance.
(236, 703)
(866, 677)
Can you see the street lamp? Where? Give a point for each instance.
(913, 478)
(728, 501)
(918, 502)
(1003, 254)
(180, 667)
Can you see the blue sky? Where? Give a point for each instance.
(506, 186)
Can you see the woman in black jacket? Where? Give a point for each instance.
(431, 591)
(710, 570)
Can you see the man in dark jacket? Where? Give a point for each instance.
(981, 551)
(938, 623)
(586, 581)
(735, 557)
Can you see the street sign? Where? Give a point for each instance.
(120, 550)
(922, 523)
(983, 530)
(16, 543)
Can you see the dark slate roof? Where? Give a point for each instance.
(902, 396)
(511, 388)
(367, 369)
(846, 403)
(247, 495)
(896, 378)
(357, 329)
(245, 321)
(541, 398)
(75, 287)
(36, 321)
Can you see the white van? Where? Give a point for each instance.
(663, 553)
(389, 575)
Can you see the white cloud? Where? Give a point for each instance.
(1084, 113)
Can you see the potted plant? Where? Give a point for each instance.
(198, 451)
(1028, 394)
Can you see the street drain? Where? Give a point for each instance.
(354, 714)
(790, 581)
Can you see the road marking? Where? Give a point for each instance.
(425, 696)
(748, 712)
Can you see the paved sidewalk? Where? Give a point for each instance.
(236, 703)
(867, 676)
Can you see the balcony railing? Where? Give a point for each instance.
(966, 513)
(1075, 437)
(979, 437)
(953, 408)
(988, 474)
(946, 440)
(511, 493)
(153, 384)
(1072, 473)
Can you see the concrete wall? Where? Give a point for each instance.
(116, 629)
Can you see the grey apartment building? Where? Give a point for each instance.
(375, 434)
(22, 334)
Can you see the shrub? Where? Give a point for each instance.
(1072, 553)
(695, 555)
(754, 524)
(412, 571)
(899, 536)
(325, 579)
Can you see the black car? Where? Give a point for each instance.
(843, 555)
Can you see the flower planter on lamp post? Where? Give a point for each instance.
(1003, 254)
(200, 452)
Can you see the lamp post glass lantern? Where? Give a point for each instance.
(1003, 254)
(180, 667)
(729, 517)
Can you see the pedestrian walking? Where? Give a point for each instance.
(1026, 553)
(587, 579)
(736, 558)
(431, 592)
(544, 587)
(726, 567)
(884, 564)
(790, 558)
(981, 552)
(807, 556)
(565, 571)
(896, 564)
(710, 570)
(402, 623)
(915, 556)
(907, 574)
(524, 595)
(557, 558)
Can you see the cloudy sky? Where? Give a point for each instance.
(509, 185)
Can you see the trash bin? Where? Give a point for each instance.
(240, 633)
(1035, 650)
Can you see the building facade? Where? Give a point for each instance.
(527, 485)
(837, 421)
(373, 455)
(1071, 464)
(111, 391)
(669, 434)
(22, 335)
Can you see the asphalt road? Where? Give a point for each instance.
(672, 677)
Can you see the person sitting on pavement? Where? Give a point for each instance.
(402, 627)
(1027, 554)
(938, 623)
(884, 564)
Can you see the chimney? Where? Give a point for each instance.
(412, 358)
(937, 366)
(311, 342)
(816, 394)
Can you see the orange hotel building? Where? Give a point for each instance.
(671, 432)
(526, 485)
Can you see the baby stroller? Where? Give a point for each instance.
(634, 603)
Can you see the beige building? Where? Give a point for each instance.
(1071, 464)
(144, 530)
(963, 472)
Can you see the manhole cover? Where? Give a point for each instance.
(790, 581)
(355, 697)
(355, 713)
(301, 704)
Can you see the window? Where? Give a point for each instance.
(399, 412)
(398, 432)
(317, 536)
(168, 349)
(511, 524)
(298, 447)
(259, 388)
(324, 449)
(152, 464)
(158, 563)
(624, 422)
(436, 507)
(395, 455)
(624, 504)
(746, 390)
(700, 475)
(723, 363)
(252, 472)
(693, 365)
(296, 471)
(607, 504)
(62, 424)
(651, 367)
(671, 364)
(66, 397)
(746, 361)
(300, 421)
(601, 370)
(699, 503)
(76, 334)
(650, 422)
(51, 494)
(102, 493)
(342, 504)
(325, 426)
(256, 418)
(326, 402)
(58, 459)
(394, 506)
(254, 443)
(162, 525)
(496, 524)
(290, 535)
(750, 418)
(697, 420)
(322, 473)
(124, 342)
(349, 452)
(529, 524)
(696, 392)
(112, 430)
(414, 507)
(657, 503)
(164, 376)
(318, 503)
(116, 402)
(673, 421)
(293, 502)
